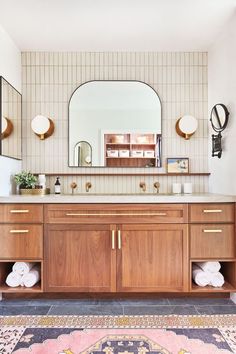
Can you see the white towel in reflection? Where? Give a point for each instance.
(217, 279)
(31, 278)
(22, 268)
(212, 267)
(14, 279)
(200, 277)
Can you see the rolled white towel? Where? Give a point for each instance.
(217, 279)
(14, 279)
(22, 268)
(200, 277)
(212, 267)
(31, 278)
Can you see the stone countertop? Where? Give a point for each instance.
(120, 198)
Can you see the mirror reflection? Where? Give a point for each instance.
(10, 120)
(219, 117)
(115, 124)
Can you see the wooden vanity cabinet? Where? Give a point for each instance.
(152, 258)
(122, 248)
(80, 258)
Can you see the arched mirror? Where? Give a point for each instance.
(219, 120)
(115, 124)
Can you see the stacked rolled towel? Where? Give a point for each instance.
(31, 278)
(207, 273)
(22, 268)
(200, 277)
(23, 274)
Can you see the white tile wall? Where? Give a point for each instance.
(49, 79)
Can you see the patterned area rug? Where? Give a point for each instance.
(118, 334)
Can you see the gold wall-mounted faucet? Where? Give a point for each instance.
(143, 186)
(88, 186)
(157, 186)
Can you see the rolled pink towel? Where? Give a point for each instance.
(200, 277)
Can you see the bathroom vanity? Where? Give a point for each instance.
(118, 243)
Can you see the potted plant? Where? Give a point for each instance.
(26, 182)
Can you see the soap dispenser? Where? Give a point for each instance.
(57, 186)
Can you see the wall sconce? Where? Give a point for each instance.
(42, 126)
(7, 128)
(186, 126)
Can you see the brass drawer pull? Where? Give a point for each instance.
(116, 214)
(19, 211)
(19, 231)
(113, 239)
(212, 211)
(119, 240)
(212, 231)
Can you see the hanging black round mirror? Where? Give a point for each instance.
(219, 120)
(219, 117)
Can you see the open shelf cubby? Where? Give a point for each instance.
(228, 269)
(6, 268)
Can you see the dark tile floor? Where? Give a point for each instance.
(165, 306)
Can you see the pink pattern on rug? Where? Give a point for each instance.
(79, 342)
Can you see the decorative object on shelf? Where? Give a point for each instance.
(7, 128)
(73, 186)
(219, 120)
(176, 188)
(178, 165)
(26, 182)
(42, 126)
(42, 181)
(188, 188)
(186, 126)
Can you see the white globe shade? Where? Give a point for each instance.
(40, 125)
(188, 124)
(4, 124)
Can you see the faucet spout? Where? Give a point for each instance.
(143, 186)
(88, 186)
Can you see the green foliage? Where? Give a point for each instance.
(26, 180)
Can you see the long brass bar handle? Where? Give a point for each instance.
(19, 211)
(113, 239)
(19, 231)
(115, 214)
(212, 211)
(212, 231)
(119, 240)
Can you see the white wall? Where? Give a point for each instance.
(222, 89)
(10, 69)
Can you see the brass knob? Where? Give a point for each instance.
(157, 186)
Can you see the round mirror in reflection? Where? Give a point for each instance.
(219, 117)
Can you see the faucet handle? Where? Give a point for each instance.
(157, 186)
(73, 186)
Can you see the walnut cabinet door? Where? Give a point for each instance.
(80, 258)
(152, 258)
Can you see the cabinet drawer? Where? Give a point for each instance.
(212, 241)
(115, 213)
(21, 241)
(211, 212)
(21, 213)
